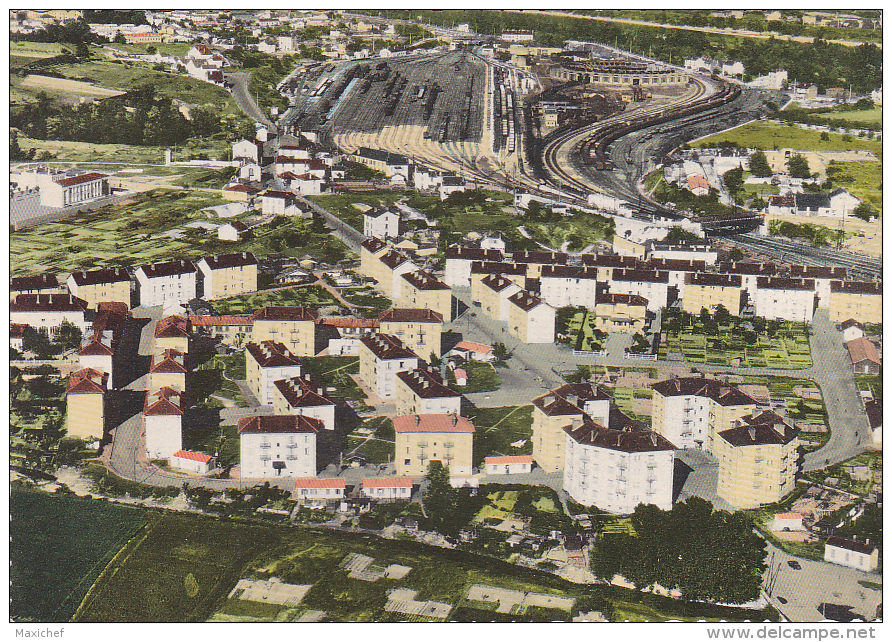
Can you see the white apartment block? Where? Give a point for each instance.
(651, 284)
(266, 363)
(615, 470)
(381, 223)
(170, 284)
(785, 299)
(565, 285)
(459, 260)
(381, 357)
(278, 446)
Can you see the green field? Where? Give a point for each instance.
(788, 348)
(482, 377)
(370, 303)
(164, 48)
(873, 383)
(59, 545)
(863, 179)
(774, 136)
(860, 117)
(343, 205)
(214, 377)
(498, 428)
(122, 235)
(581, 329)
(311, 296)
(177, 572)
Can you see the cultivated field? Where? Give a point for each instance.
(59, 545)
(176, 572)
(61, 86)
(775, 136)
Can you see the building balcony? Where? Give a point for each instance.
(265, 446)
(265, 458)
(291, 445)
(291, 457)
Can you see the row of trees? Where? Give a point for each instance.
(705, 554)
(138, 117)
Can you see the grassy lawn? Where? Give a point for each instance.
(774, 136)
(371, 303)
(855, 118)
(335, 372)
(375, 450)
(344, 205)
(577, 231)
(208, 379)
(788, 348)
(311, 296)
(164, 48)
(482, 377)
(223, 441)
(59, 544)
(581, 332)
(122, 234)
(873, 383)
(863, 179)
(498, 428)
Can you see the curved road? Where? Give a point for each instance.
(242, 95)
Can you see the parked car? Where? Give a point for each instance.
(794, 565)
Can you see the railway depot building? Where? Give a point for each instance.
(616, 72)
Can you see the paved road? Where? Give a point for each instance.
(815, 584)
(242, 95)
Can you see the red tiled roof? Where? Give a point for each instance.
(432, 423)
(388, 482)
(164, 405)
(83, 178)
(347, 322)
(168, 268)
(718, 391)
(47, 303)
(226, 319)
(410, 315)
(426, 385)
(766, 428)
(303, 392)
(479, 348)
(87, 381)
(617, 298)
(224, 261)
(460, 373)
(863, 349)
(104, 275)
(285, 313)
(313, 482)
(277, 194)
(422, 280)
(95, 348)
(172, 327)
(525, 300)
(271, 354)
(510, 459)
(264, 424)
(192, 455)
(40, 282)
(385, 346)
(247, 189)
(630, 441)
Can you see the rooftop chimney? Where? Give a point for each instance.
(417, 420)
(752, 432)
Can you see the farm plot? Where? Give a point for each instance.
(177, 572)
(312, 296)
(59, 545)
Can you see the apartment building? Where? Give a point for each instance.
(568, 285)
(47, 312)
(424, 393)
(167, 368)
(41, 284)
(102, 285)
(419, 330)
(294, 326)
(530, 319)
(757, 460)
(393, 265)
(536, 261)
(171, 284)
(231, 329)
(226, 275)
(85, 404)
(459, 260)
(381, 357)
(381, 223)
(492, 294)
(620, 313)
(423, 438)
(785, 299)
(163, 420)
(303, 396)
(606, 264)
(514, 272)
(749, 273)
(652, 285)
(265, 363)
(100, 342)
(690, 411)
(708, 290)
(370, 252)
(278, 446)
(564, 406)
(423, 290)
(172, 332)
(616, 470)
(859, 300)
(822, 277)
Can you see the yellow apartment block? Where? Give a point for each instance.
(862, 301)
(706, 290)
(294, 326)
(227, 275)
(421, 439)
(85, 411)
(422, 290)
(419, 330)
(620, 313)
(757, 461)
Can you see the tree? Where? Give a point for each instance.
(759, 165)
(865, 211)
(733, 179)
(758, 203)
(39, 343)
(69, 336)
(825, 136)
(678, 233)
(435, 361)
(798, 166)
(446, 507)
(152, 50)
(83, 50)
(500, 351)
(737, 254)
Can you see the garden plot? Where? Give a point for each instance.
(362, 567)
(517, 601)
(273, 590)
(401, 600)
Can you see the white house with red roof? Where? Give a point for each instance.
(47, 312)
(191, 462)
(163, 418)
(387, 487)
(787, 522)
(470, 351)
(62, 189)
(318, 490)
(278, 446)
(508, 464)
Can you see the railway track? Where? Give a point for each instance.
(793, 252)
